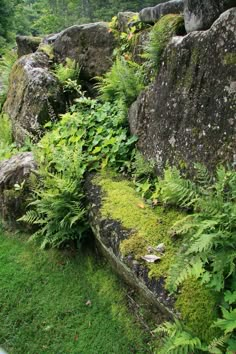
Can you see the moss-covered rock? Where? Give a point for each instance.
(34, 96)
(198, 308)
(90, 45)
(27, 44)
(127, 230)
(16, 175)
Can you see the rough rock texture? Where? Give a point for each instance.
(189, 113)
(16, 170)
(109, 233)
(152, 14)
(27, 44)
(123, 19)
(200, 14)
(34, 95)
(91, 45)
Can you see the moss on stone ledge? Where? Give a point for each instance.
(197, 305)
(150, 226)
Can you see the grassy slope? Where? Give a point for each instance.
(43, 307)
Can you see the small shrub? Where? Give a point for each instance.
(89, 137)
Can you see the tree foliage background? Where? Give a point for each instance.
(38, 17)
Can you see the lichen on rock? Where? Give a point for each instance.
(189, 112)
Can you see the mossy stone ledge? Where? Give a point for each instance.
(126, 229)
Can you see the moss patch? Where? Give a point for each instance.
(230, 59)
(198, 308)
(150, 226)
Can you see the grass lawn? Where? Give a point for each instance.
(52, 303)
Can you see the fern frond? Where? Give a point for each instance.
(30, 217)
(217, 345)
(177, 190)
(178, 340)
(183, 270)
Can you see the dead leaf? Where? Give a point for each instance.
(141, 205)
(151, 258)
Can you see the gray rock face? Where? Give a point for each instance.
(152, 14)
(200, 14)
(189, 113)
(15, 170)
(90, 45)
(34, 94)
(27, 44)
(123, 19)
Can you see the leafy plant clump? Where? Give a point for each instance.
(91, 136)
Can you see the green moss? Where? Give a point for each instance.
(135, 245)
(198, 308)
(197, 305)
(230, 59)
(150, 226)
(47, 49)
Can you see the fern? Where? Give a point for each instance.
(178, 340)
(159, 37)
(123, 82)
(57, 208)
(176, 190)
(69, 71)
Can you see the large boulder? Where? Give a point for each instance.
(91, 45)
(153, 14)
(200, 14)
(189, 113)
(34, 96)
(15, 174)
(27, 44)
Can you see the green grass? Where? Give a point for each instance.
(43, 296)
